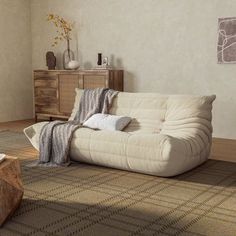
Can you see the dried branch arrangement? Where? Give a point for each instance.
(64, 28)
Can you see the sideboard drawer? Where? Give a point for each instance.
(46, 74)
(45, 92)
(45, 83)
(39, 100)
(47, 108)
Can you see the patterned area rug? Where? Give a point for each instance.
(91, 200)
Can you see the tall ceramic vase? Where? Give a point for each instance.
(68, 56)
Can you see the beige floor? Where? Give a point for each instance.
(17, 126)
(92, 200)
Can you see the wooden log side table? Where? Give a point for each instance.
(11, 188)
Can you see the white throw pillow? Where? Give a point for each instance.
(107, 122)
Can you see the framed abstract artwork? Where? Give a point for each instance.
(226, 48)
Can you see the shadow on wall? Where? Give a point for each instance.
(129, 82)
(59, 65)
(88, 65)
(116, 62)
(129, 77)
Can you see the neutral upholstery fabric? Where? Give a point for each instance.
(75, 109)
(168, 135)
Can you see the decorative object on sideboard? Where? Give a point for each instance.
(64, 29)
(73, 65)
(102, 63)
(105, 61)
(68, 55)
(51, 60)
(99, 62)
(226, 48)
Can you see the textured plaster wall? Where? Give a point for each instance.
(166, 46)
(15, 60)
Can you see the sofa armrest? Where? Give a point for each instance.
(195, 133)
(182, 154)
(32, 133)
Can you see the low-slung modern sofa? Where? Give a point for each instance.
(168, 134)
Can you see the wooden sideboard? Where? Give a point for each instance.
(54, 90)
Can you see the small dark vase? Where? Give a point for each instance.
(99, 62)
(68, 56)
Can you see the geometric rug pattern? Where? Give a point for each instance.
(92, 200)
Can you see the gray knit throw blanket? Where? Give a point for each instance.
(94, 101)
(55, 137)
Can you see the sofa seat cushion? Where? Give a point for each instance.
(149, 153)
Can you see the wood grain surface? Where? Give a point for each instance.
(54, 90)
(11, 188)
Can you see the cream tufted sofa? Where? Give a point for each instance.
(169, 134)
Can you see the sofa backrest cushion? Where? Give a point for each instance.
(146, 109)
(151, 111)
